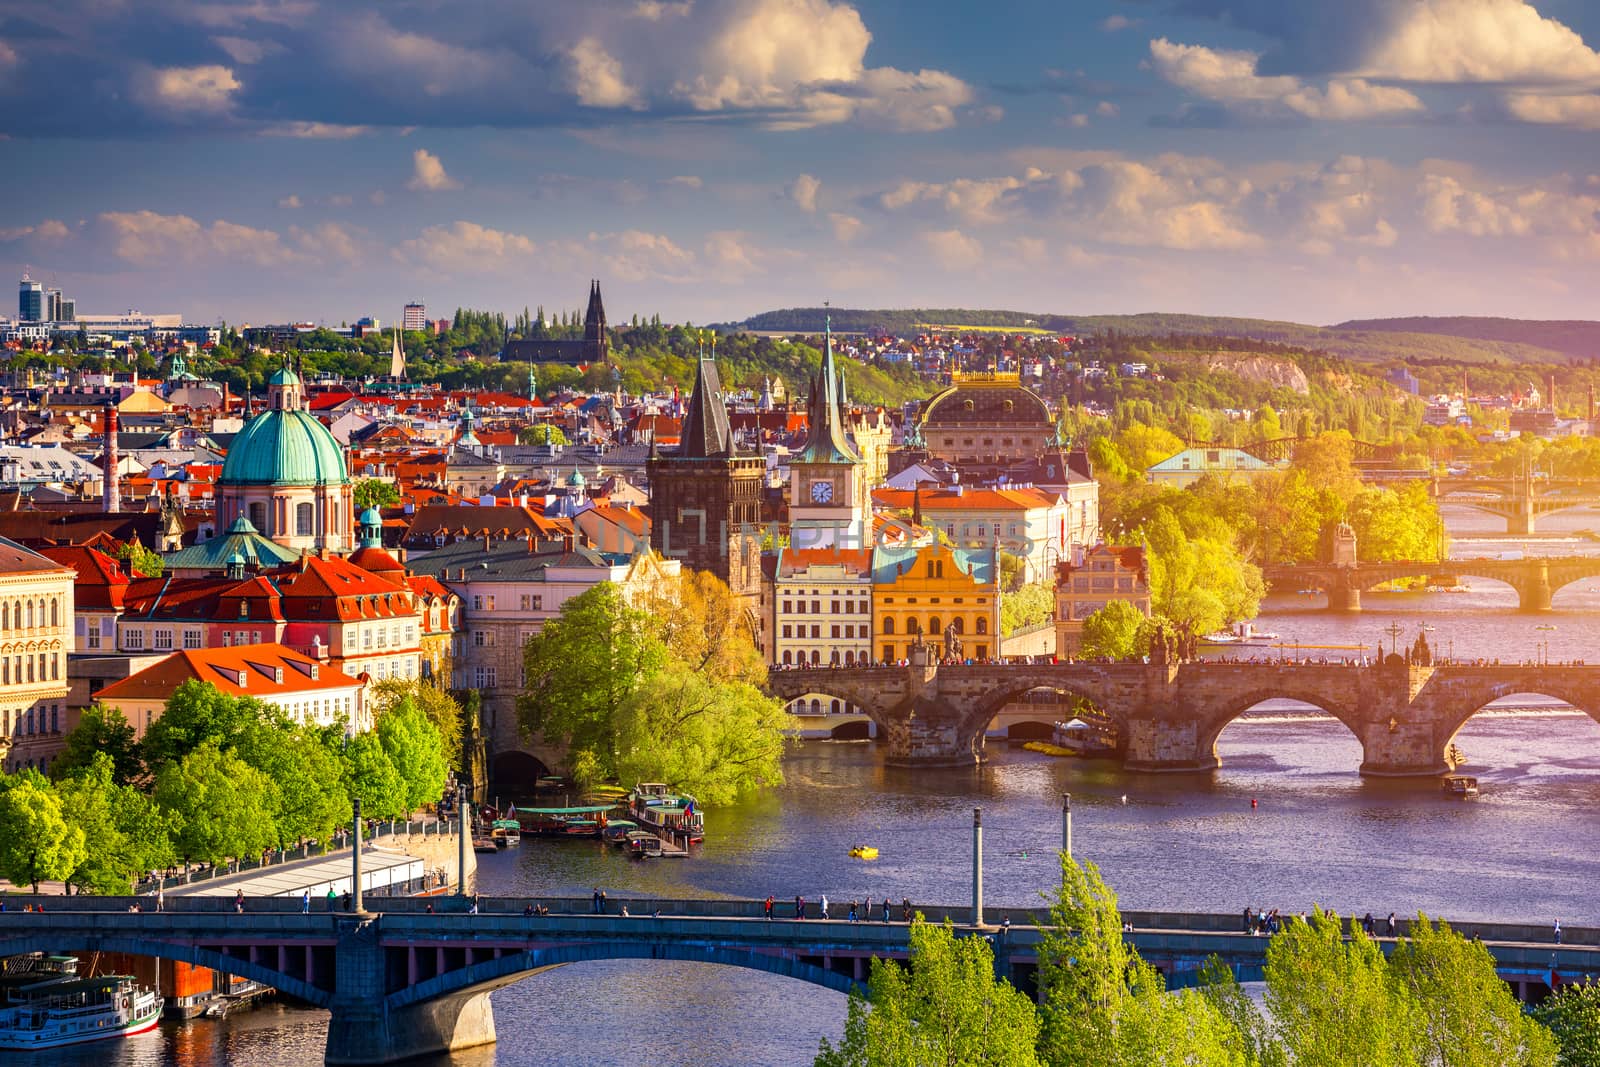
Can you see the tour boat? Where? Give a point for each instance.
(1080, 737)
(617, 831)
(506, 832)
(585, 821)
(1242, 634)
(642, 844)
(62, 1009)
(1459, 785)
(656, 808)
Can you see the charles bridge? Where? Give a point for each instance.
(1169, 715)
(400, 981)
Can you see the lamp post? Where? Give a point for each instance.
(1066, 824)
(461, 839)
(355, 858)
(977, 866)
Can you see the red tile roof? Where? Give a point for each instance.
(264, 670)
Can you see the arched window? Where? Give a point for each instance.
(849, 658)
(983, 625)
(302, 520)
(934, 627)
(55, 668)
(960, 624)
(787, 659)
(5, 616)
(835, 708)
(30, 614)
(55, 612)
(913, 625)
(888, 626)
(816, 706)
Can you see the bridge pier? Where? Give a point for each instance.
(1534, 592)
(364, 1029)
(1167, 746)
(1345, 596)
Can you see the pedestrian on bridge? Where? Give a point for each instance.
(799, 907)
(305, 902)
(823, 907)
(1369, 925)
(332, 898)
(1558, 931)
(852, 911)
(1391, 924)
(767, 907)
(885, 910)
(238, 901)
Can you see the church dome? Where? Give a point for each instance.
(986, 399)
(284, 445)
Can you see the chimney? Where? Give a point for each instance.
(113, 484)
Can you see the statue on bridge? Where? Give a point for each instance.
(1421, 654)
(952, 644)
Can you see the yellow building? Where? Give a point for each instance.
(1101, 575)
(36, 633)
(920, 591)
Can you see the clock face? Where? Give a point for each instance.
(821, 492)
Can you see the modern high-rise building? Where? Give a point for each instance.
(415, 317)
(31, 301)
(52, 304)
(67, 311)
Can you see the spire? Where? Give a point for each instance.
(706, 432)
(916, 505)
(827, 441)
(397, 357)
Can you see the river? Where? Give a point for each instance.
(1528, 848)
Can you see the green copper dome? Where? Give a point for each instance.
(284, 448)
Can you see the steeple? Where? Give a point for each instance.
(397, 358)
(706, 432)
(827, 441)
(594, 317)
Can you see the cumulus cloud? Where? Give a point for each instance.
(428, 173)
(316, 131)
(597, 78)
(1230, 78)
(290, 201)
(201, 90)
(845, 227)
(1581, 110)
(1457, 41)
(146, 238)
(466, 248)
(952, 249)
(803, 191)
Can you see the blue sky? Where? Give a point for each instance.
(1315, 160)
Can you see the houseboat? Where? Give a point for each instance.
(585, 821)
(52, 1008)
(657, 808)
(1082, 737)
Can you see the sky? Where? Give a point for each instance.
(1308, 160)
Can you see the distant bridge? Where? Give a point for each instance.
(1536, 580)
(401, 983)
(1169, 715)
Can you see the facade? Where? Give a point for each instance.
(822, 606)
(1183, 469)
(286, 474)
(1039, 527)
(36, 613)
(30, 301)
(414, 317)
(302, 688)
(1102, 574)
(986, 417)
(706, 497)
(100, 589)
(919, 591)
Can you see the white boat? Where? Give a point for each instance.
(63, 1009)
(1243, 633)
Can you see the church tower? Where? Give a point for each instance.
(828, 493)
(595, 343)
(706, 497)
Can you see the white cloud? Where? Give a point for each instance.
(1106, 109)
(48, 230)
(201, 90)
(1229, 78)
(329, 241)
(845, 227)
(290, 201)
(636, 256)
(952, 249)
(428, 173)
(245, 50)
(687, 181)
(1580, 111)
(1479, 41)
(146, 238)
(1079, 121)
(466, 247)
(1113, 23)
(979, 200)
(731, 256)
(319, 131)
(596, 77)
(803, 191)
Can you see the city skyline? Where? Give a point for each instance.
(709, 159)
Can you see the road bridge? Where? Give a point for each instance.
(1169, 715)
(1520, 500)
(400, 982)
(1535, 580)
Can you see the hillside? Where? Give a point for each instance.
(1357, 341)
(1575, 338)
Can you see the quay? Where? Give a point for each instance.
(400, 980)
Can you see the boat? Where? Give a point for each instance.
(1459, 785)
(1243, 633)
(657, 808)
(508, 831)
(643, 844)
(617, 831)
(864, 852)
(1081, 737)
(49, 1009)
(587, 820)
(481, 843)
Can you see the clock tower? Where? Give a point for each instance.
(828, 492)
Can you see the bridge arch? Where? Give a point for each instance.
(1215, 720)
(517, 769)
(56, 941)
(1101, 698)
(489, 975)
(1457, 715)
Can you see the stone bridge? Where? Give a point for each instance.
(1169, 716)
(1535, 580)
(400, 982)
(1518, 500)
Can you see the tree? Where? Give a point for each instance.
(221, 807)
(442, 709)
(1032, 604)
(946, 1007)
(706, 738)
(371, 777)
(375, 493)
(1332, 999)
(125, 834)
(1469, 1017)
(307, 770)
(141, 560)
(1117, 631)
(413, 746)
(198, 713)
(1258, 1045)
(1572, 1014)
(37, 842)
(543, 433)
(100, 731)
(701, 623)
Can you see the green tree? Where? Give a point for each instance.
(124, 833)
(198, 713)
(1032, 604)
(543, 433)
(1258, 1044)
(1118, 631)
(37, 842)
(375, 493)
(945, 1008)
(371, 777)
(1333, 1001)
(100, 731)
(413, 746)
(141, 560)
(1572, 1014)
(1469, 1017)
(442, 709)
(307, 770)
(221, 807)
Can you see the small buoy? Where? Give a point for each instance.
(1252, 803)
(1124, 798)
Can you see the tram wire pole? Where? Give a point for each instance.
(977, 866)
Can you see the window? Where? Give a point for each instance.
(93, 633)
(786, 609)
(816, 633)
(787, 633)
(133, 639)
(477, 602)
(258, 517)
(244, 609)
(816, 607)
(484, 676)
(55, 613)
(483, 638)
(491, 601)
(983, 625)
(163, 640)
(302, 520)
(835, 633)
(888, 628)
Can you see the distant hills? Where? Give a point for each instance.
(1417, 340)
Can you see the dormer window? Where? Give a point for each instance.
(244, 609)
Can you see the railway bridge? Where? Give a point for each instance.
(400, 982)
(1536, 580)
(1169, 715)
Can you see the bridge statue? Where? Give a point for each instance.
(952, 644)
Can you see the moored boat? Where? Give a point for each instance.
(56, 1010)
(1081, 737)
(642, 844)
(1459, 785)
(617, 831)
(657, 808)
(585, 821)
